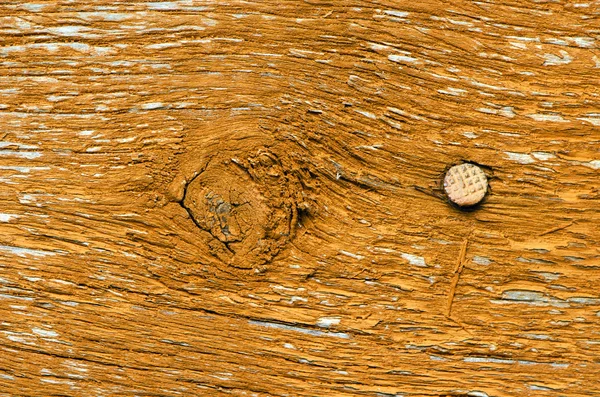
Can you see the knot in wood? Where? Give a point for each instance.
(465, 184)
(248, 206)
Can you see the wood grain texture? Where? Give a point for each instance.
(243, 198)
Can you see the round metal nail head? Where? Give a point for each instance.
(465, 184)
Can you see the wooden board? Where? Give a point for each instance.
(243, 198)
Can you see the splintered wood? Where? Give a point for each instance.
(460, 263)
(207, 198)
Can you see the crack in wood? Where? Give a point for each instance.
(556, 229)
(457, 272)
(247, 205)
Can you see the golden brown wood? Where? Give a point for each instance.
(244, 198)
(460, 264)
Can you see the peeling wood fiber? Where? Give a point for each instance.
(243, 198)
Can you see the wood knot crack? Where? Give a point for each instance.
(249, 206)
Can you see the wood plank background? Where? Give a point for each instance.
(242, 198)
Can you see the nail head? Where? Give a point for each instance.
(465, 184)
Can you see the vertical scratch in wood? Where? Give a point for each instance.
(457, 270)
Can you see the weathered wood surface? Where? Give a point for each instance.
(206, 198)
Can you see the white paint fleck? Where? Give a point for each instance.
(584, 301)
(443, 77)
(163, 5)
(24, 155)
(44, 332)
(533, 298)
(476, 393)
(209, 22)
(549, 276)
(436, 358)
(57, 381)
(527, 39)
(593, 119)
(326, 322)
(584, 42)
(295, 299)
(106, 16)
(520, 158)
(25, 251)
(452, 91)
(24, 170)
(33, 7)
(58, 98)
(594, 164)
(25, 339)
(540, 388)
(53, 47)
(470, 135)
(399, 14)
(521, 46)
(289, 346)
(165, 66)
(7, 217)
(299, 329)
(536, 336)
(461, 23)
(483, 85)
(351, 255)
(553, 60)
(495, 56)
(370, 147)
(414, 260)
(488, 360)
(152, 105)
(547, 117)
(482, 260)
(367, 114)
(160, 46)
(18, 145)
(556, 41)
(23, 298)
(506, 111)
(378, 47)
(79, 46)
(401, 58)
(543, 155)
(69, 31)
(383, 249)
(528, 296)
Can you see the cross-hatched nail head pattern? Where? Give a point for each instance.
(465, 184)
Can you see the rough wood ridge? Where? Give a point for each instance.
(243, 198)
